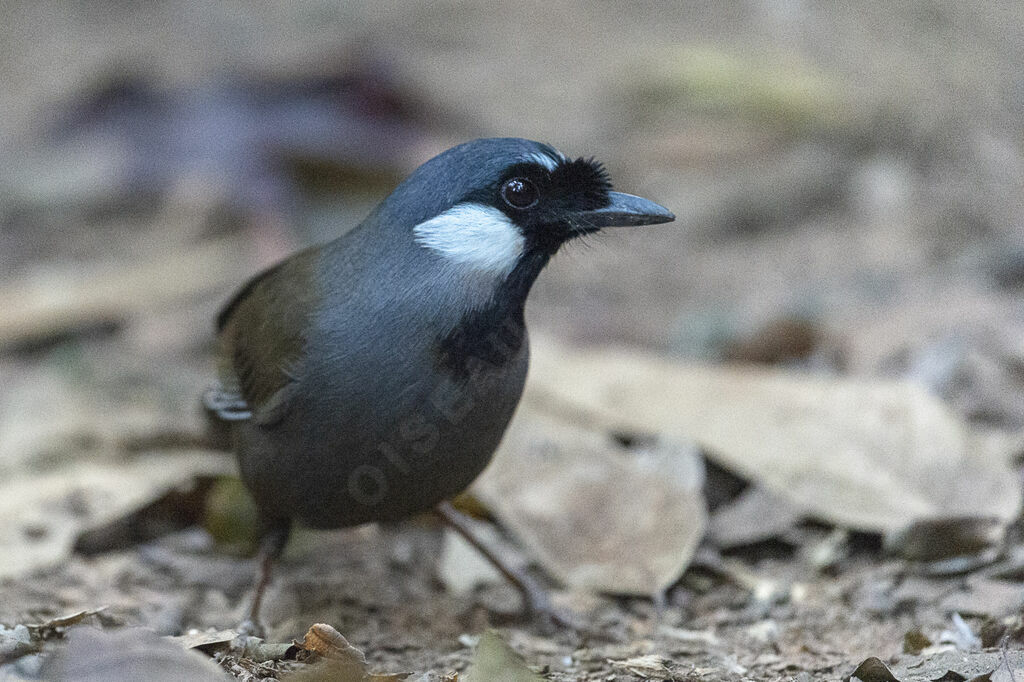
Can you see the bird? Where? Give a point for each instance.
(371, 378)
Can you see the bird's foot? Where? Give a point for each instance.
(550, 618)
(536, 600)
(252, 628)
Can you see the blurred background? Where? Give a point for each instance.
(847, 179)
(850, 176)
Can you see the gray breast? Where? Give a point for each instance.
(383, 426)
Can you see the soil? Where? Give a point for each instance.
(848, 183)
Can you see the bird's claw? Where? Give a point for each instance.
(549, 617)
(252, 628)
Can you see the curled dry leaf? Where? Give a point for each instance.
(871, 670)
(867, 454)
(55, 626)
(324, 640)
(339, 661)
(598, 515)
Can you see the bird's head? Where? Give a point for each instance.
(503, 205)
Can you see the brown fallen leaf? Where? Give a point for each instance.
(946, 538)
(914, 641)
(866, 454)
(598, 515)
(779, 340)
(48, 415)
(56, 301)
(323, 640)
(755, 515)
(43, 513)
(871, 670)
(335, 660)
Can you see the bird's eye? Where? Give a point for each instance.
(519, 193)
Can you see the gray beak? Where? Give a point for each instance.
(625, 209)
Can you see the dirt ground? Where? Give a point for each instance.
(848, 183)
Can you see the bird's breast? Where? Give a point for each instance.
(391, 428)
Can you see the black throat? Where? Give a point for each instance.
(488, 338)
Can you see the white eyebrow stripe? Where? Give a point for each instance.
(544, 160)
(478, 237)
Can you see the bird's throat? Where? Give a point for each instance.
(492, 335)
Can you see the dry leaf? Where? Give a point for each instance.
(95, 656)
(868, 454)
(46, 415)
(55, 626)
(206, 640)
(323, 640)
(57, 300)
(986, 597)
(598, 515)
(495, 661)
(259, 650)
(339, 660)
(872, 670)
(755, 515)
(945, 538)
(42, 514)
(649, 667)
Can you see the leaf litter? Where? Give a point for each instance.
(599, 516)
(866, 454)
(858, 457)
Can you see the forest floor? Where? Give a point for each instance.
(849, 210)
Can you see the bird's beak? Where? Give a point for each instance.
(624, 209)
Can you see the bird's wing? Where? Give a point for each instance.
(262, 335)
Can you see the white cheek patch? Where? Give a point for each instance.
(473, 236)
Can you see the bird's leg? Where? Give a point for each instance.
(273, 537)
(534, 595)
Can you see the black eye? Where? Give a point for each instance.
(519, 193)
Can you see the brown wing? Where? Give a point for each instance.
(262, 335)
